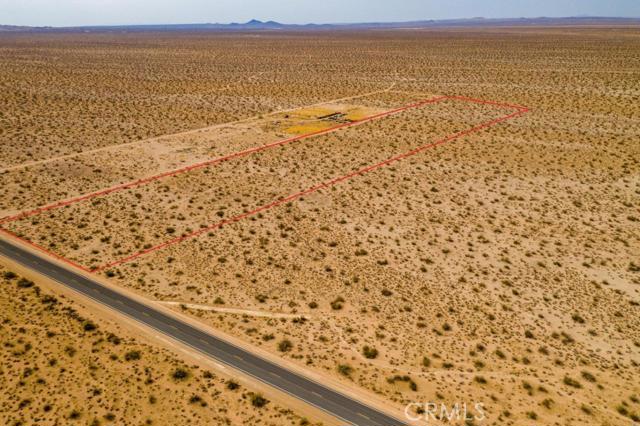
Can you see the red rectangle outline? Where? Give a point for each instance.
(520, 110)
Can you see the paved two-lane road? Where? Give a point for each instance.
(334, 403)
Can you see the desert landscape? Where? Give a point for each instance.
(60, 366)
(499, 266)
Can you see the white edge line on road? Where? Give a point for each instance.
(218, 359)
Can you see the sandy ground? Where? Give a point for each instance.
(63, 361)
(500, 269)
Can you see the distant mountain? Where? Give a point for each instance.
(256, 25)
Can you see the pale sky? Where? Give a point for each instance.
(117, 12)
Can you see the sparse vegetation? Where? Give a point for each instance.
(180, 374)
(285, 345)
(502, 257)
(571, 382)
(133, 355)
(345, 369)
(49, 374)
(258, 400)
(369, 352)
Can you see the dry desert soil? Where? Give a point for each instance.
(500, 267)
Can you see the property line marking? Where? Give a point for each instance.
(312, 189)
(188, 132)
(520, 110)
(44, 250)
(217, 160)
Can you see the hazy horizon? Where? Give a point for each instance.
(65, 13)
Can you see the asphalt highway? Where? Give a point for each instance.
(335, 403)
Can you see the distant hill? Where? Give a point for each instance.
(256, 25)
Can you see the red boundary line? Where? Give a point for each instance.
(243, 153)
(44, 250)
(520, 110)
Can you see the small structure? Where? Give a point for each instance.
(336, 116)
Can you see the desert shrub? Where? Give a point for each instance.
(132, 356)
(9, 275)
(588, 377)
(285, 345)
(113, 339)
(195, 399)
(25, 283)
(49, 300)
(397, 378)
(547, 403)
(345, 369)
(338, 303)
(89, 326)
(180, 374)
(370, 352)
(258, 400)
(571, 382)
(577, 318)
